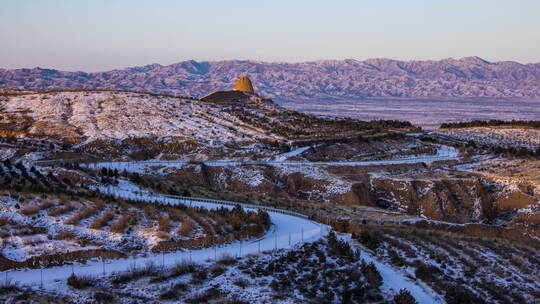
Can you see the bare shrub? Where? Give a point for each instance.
(216, 270)
(29, 210)
(45, 204)
(66, 235)
(175, 214)
(164, 224)
(121, 225)
(103, 297)
(241, 282)
(173, 292)
(82, 214)
(4, 220)
(64, 199)
(183, 267)
(82, 281)
(404, 297)
(150, 269)
(103, 220)
(186, 228)
(226, 259)
(205, 297)
(199, 276)
(56, 211)
(7, 286)
(151, 211)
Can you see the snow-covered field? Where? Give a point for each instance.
(121, 115)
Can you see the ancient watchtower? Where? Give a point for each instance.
(243, 84)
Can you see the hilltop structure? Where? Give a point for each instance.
(243, 84)
(242, 92)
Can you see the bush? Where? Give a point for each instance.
(217, 270)
(29, 210)
(427, 272)
(458, 295)
(6, 286)
(102, 297)
(241, 282)
(187, 226)
(102, 221)
(173, 292)
(372, 275)
(79, 282)
(404, 297)
(82, 214)
(150, 269)
(205, 297)
(199, 276)
(164, 223)
(120, 225)
(227, 260)
(183, 267)
(369, 239)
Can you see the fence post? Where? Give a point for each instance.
(289, 238)
(41, 277)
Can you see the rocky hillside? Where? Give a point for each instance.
(466, 77)
(117, 123)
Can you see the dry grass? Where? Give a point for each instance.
(103, 220)
(164, 224)
(66, 235)
(82, 281)
(56, 211)
(121, 225)
(4, 220)
(64, 199)
(175, 214)
(45, 204)
(30, 210)
(186, 228)
(82, 214)
(151, 212)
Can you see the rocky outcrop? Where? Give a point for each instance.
(459, 200)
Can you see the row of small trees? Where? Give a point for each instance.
(492, 123)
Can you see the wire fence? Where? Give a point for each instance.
(50, 278)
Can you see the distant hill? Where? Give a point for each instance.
(326, 79)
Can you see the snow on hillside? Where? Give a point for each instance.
(120, 115)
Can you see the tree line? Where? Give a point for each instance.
(492, 123)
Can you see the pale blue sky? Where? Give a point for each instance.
(97, 35)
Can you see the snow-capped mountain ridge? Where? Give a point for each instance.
(324, 79)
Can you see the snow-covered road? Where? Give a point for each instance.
(443, 153)
(287, 230)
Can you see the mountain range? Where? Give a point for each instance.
(317, 80)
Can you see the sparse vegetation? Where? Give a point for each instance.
(80, 281)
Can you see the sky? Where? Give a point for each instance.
(100, 35)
